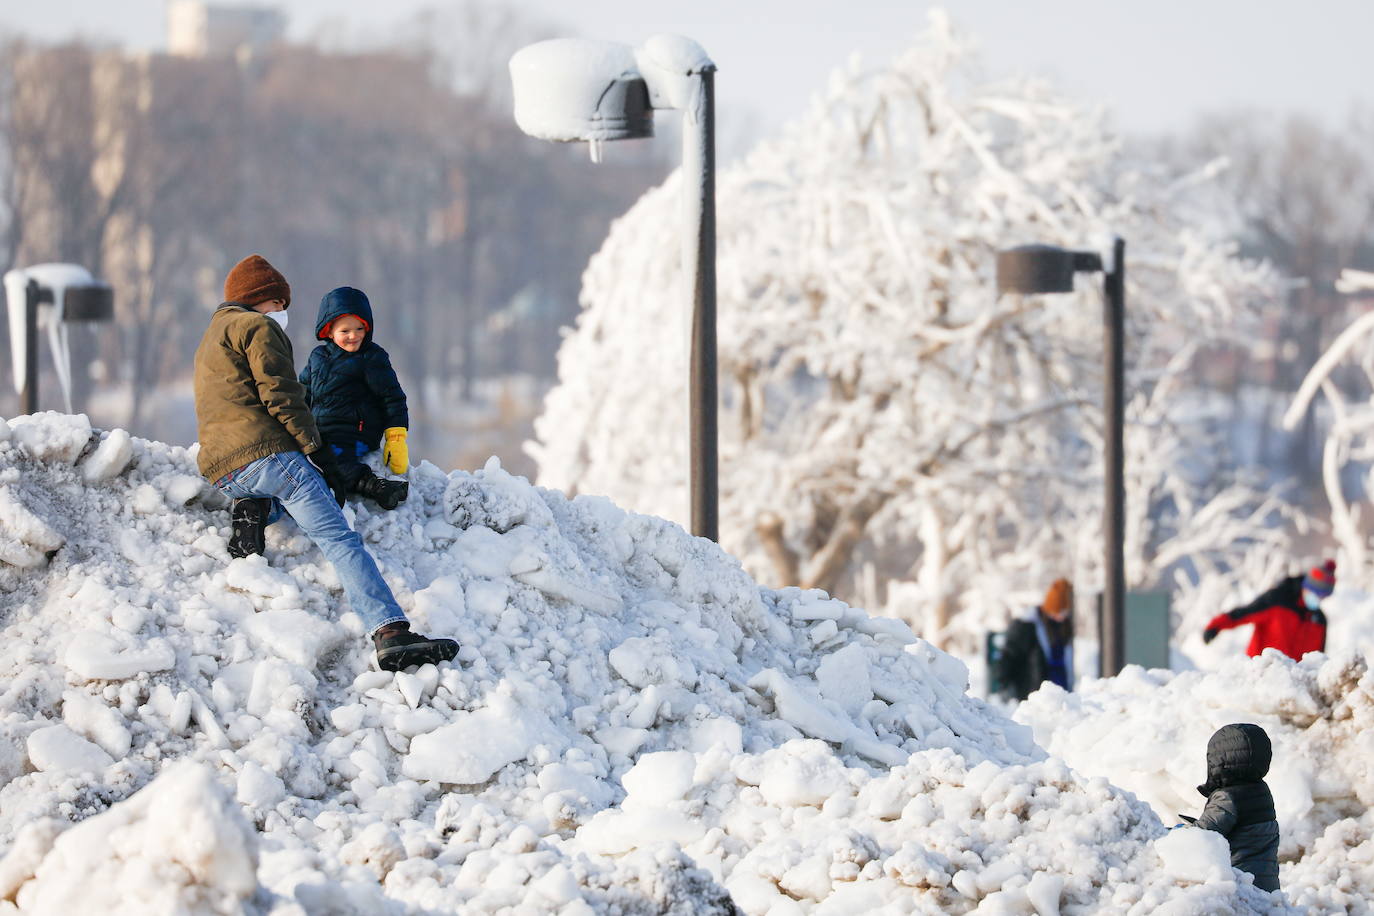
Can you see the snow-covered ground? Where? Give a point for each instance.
(1147, 731)
(633, 726)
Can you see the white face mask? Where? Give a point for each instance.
(1311, 599)
(279, 318)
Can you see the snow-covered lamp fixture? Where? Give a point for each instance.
(577, 89)
(1035, 269)
(53, 295)
(1032, 269)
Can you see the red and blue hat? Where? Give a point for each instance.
(1321, 579)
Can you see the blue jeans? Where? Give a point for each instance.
(294, 485)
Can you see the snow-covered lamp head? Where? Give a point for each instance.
(570, 89)
(1033, 269)
(60, 293)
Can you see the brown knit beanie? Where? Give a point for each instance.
(1059, 599)
(253, 280)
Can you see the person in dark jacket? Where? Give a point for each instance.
(1239, 805)
(260, 447)
(1288, 617)
(1039, 647)
(355, 397)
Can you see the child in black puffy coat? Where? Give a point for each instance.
(356, 399)
(1239, 804)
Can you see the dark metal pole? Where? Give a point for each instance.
(29, 396)
(703, 404)
(1114, 516)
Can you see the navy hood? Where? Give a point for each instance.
(345, 300)
(1237, 754)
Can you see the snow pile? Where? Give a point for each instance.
(632, 726)
(179, 846)
(1147, 732)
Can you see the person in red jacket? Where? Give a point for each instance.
(1288, 617)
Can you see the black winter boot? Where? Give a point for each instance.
(248, 526)
(398, 648)
(387, 493)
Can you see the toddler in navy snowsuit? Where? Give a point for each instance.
(355, 397)
(1239, 805)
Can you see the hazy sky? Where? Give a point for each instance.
(1155, 63)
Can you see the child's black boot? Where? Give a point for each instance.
(248, 526)
(398, 648)
(386, 493)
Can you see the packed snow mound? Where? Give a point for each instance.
(1147, 731)
(632, 725)
(181, 845)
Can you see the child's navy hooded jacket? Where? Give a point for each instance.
(1239, 804)
(354, 396)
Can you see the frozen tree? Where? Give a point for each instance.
(886, 417)
(1348, 454)
(1299, 193)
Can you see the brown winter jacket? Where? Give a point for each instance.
(248, 402)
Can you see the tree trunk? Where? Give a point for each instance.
(786, 565)
(834, 558)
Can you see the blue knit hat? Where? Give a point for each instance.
(1321, 579)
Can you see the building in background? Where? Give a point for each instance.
(199, 29)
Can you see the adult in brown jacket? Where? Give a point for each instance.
(256, 432)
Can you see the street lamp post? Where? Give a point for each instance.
(54, 294)
(571, 89)
(1032, 269)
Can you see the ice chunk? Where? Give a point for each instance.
(843, 677)
(1044, 891)
(16, 553)
(59, 749)
(128, 618)
(94, 656)
(348, 719)
(410, 723)
(258, 788)
(476, 744)
(817, 605)
(99, 723)
(110, 459)
(297, 636)
(485, 552)
(52, 436)
(801, 772)
(643, 661)
(377, 848)
(622, 740)
(557, 887)
(1192, 855)
(614, 831)
(717, 731)
(411, 687)
(21, 524)
(252, 574)
(534, 569)
(182, 489)
(277, 684)
(811, 715)
(659, 778)
(146, 500)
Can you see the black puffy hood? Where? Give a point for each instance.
(1237, 754)
(345, 300)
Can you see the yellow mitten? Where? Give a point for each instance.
(395, 455)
